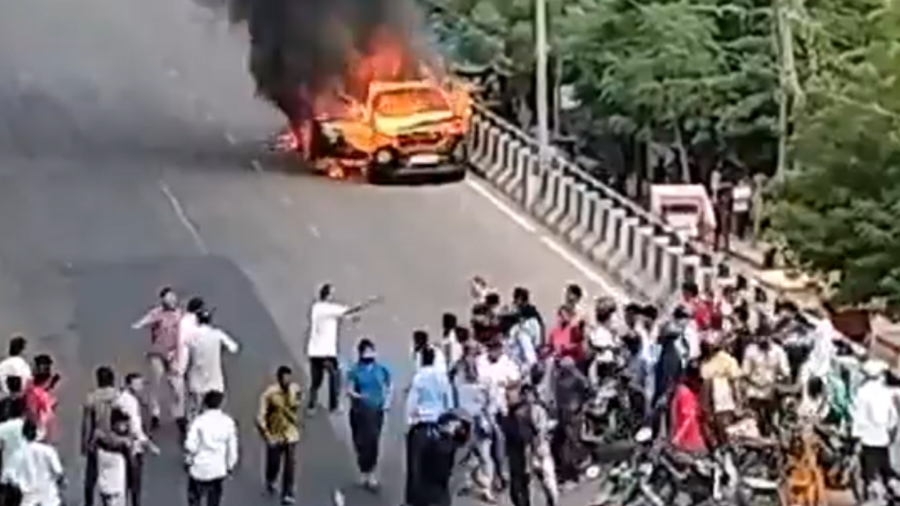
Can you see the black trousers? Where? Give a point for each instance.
(365, 426)
(766, 410)
(875, 463)
(205, 492)
(10, 495)
(135, 479)
(281, 457)
(318, 368)
(519, 476)
(90, 478)
(417, 439)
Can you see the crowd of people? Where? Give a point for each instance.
(708, 369)
(513, 395)
(185, 358)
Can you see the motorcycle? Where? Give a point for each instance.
(629, 482)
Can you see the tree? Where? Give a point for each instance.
(699, 75)
(839, 213)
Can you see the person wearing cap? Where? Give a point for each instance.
(204, 345)
(874, 423)
(370, 388)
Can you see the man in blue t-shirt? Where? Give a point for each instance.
(369, 386)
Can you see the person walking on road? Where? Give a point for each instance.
(15, 364)
(325, 316)
(164, 321)
(36, 471)
(211, 451)
(11, 440)
(204, 372)
(95, 420)
(430, 396)
(370, 390)
(129, 403)
(279, 424)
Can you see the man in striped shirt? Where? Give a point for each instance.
(165, 351)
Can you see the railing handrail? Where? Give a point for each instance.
(692, 247)
(585, 177)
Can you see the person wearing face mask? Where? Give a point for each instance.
(369, 386)
(164, 321)
(765, 367)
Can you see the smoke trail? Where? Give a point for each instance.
(303, 48)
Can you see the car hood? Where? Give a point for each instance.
(411, 123)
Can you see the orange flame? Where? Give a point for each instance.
(388, 59)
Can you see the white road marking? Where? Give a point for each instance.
(287, 200)
(210, 118)
(256, 165)
(185, 220)
(172, 73)
(510, 213)
(314, 231)
(555, 246)
(230, 139)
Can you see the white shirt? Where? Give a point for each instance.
(604, 342)
(111, 472)
(11, 440)
(497, 376)
(204, 371)
(823, 352)
(14, 366)
(211, 446)
(874, 414)
(131, 406)
(454, 350)
(36, 470)
(186, 326)
(741, 196)
(324, 321)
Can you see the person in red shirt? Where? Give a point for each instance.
(687, 413)
(564, 338)
(39, 398)
(701, 308)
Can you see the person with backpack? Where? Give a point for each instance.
(96, 420)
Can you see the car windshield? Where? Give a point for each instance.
(406, 102)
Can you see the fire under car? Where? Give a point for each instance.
(402, 129)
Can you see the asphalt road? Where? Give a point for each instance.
(128, 135)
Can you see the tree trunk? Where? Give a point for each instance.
(682, 155)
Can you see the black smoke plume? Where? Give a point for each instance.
(302, 48)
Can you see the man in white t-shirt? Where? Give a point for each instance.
(325, 316)
(36, 470)
(15, 364)
(204, 372)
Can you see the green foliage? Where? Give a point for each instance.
(840, 213)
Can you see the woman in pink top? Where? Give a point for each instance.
(687, 418)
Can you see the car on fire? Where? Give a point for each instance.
(401, 128)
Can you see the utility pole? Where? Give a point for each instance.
(541, 94)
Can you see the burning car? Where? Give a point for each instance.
(400, 128)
